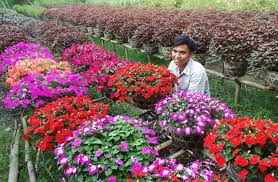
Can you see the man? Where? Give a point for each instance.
(191, 74)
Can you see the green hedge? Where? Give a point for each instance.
(34, 11)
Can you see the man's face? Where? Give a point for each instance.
(181, 54)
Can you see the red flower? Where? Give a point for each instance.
(242, 174)
(265, 163)
(237, 150)
(262, 168)
(241, 161)
(219, 159)
(269, 178)
(274, 161)
(254, 159)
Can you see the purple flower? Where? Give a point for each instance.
(77, 142)
(137, 166)
(178, 131)
(104, 168)
(63, 160)
(146, 150)
(174, 116)
(163, 123)
(85, 159)
(92, 169)
(98, 153)
(179, 167)
(195, 166)
(154, 152)
(112, 179)
(119, 161)
(123, 146)
(165, 172)
(187, 130)
(70, 170)
(148, 131)
(152, 140)
(59, 151)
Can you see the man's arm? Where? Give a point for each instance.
(197, 82)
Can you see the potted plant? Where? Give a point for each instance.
(189, 116)
(104, 148)
(266, 57)
(144, 84)
(144, 34)
(247, 147)
(128, 29)
(32, 66)
(234, 49)
(53, 123)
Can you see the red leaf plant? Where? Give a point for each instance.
(55, 121)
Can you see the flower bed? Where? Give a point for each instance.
(37, 89)
(249, 145)
(21, 51)
(54, 122)
(189, 116)
(149, 82)
(103, 149)
(33, 66)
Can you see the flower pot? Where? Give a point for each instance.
(83, 29)
(150, 48)
(235, 69)
(108, 35)
(272, 79)
(120, 39)
(134, 43)
(143, 103)
(98, 31)
(167, 52)
(90, 30)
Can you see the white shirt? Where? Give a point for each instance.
(193, 78)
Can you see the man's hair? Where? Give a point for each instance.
(184, 39)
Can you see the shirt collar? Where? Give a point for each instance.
(187, 68)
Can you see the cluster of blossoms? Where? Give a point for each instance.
(103, 149)
(21, 51)
(56, 120)
(250, 145)
(191, 112)
(94, 63)
(33, 66)
(170, 170)
(148, 81)
(37, 89)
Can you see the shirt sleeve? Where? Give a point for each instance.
(197, 83)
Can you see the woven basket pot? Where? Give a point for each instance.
(201, 58)
(272, 79)
(98, 32)
(150, 48)
(90, 30)
(108, 35)
(83, 29)
(167, 52)
(236, 69)
(120, 39)
(143, 103)
(134, 43)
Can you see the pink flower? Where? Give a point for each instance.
(63, 160)
(92, 169)
(70, 170)
(112, 179)
(146, 150)
(165, 172)
(123, 146)
(119, 161)
(98, 153)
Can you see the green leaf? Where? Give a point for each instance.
(108, 172)
(258, 150)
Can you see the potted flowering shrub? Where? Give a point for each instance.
(36, 90)
(189, 116)
(28, 66)
(169, 170)
(55, 121)
(145, 84)
(103, 149)
(266, 57)
(247, 146)
(128, 29)
(234, 49)
(144, 34)
(21, 51)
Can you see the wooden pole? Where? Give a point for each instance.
(149, 58)
(13, 173)
(163, 145)
(175, 155)
(31, 171)
(102, 43)
(237, 93)
(126, 54)
(114, 47)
